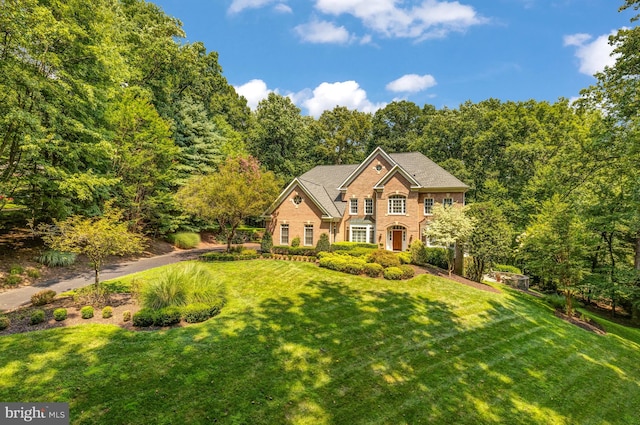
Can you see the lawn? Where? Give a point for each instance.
(302, 345)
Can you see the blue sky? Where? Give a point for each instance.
(363, 54)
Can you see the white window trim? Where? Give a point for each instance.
(425, 206)
(368, 228)
(390, 203)
(308, 227)
(353, 202)
(368, 206)
(282, 241)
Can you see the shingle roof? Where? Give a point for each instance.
(323, 182)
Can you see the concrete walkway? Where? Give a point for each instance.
(15, 298)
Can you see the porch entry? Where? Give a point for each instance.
(397, 238)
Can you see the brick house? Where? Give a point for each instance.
(387, 199)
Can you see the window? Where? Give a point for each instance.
(297, 199)
(447, 202)
(368, 206)
(359, 233)
(308, 234)
(428, 206)
(397, 204)
(284, 234)
(353, 206)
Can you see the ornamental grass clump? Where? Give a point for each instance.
(54, 258)
(185, 240)
(43, 297)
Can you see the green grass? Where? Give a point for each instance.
(303, 345)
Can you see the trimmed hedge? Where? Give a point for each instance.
(373, 269)
(227, 256)
(184, 240)
(407, 271)
(348, 246)
(294, 250)
(143, 318)
(393, 273)
(506, 268)
(167, 316)
(60, 314)
(37, 316)
(384, 258)
(198, 312)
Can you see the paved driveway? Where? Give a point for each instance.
(15, 298)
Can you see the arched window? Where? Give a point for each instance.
(397, 205)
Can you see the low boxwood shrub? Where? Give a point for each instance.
(126, 316)
(506, 268)
(354, 266)
(107, 312)
(13, 280)
(167, 316)
(5, 322)
(53, 258)
(86, 312)
(393, 273)
(230, 256)
(335, 262)
(16, 269)
(384, 258)
(348, 246)
(37, 316)
(373, 269)
(60, 314)
(195, 313)
(407, 271)
(184, 240)
(404, 257)
(143, 318)
(294, 250)
(43, 297)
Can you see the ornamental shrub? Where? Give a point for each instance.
(53, 258)
(407, 271)
(266, 243)
(437, 257)
(37, 316)
(347, 246)
(143, 318)
(404, 257)
(13, 280)
(16, 269)
(393, 273)
(294, 250)
(295, 242)
(506, 268)
(185, 240)
(195, 313)
(167, 316)
(86, 312)
(4, 322)
(33, 272)
(43, 297)
(384, 258)
(373, 269)
(354, 266)
(418, 253)
(126, 316)
(107, 312)
(60, 314)
(323, 243)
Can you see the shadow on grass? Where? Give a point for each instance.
(330, 353)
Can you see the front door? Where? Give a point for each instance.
(397, 240)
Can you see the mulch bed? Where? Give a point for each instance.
(444, 274)
(586, 324)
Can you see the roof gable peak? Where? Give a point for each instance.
(364, 164)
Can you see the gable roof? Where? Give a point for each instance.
(427, 173)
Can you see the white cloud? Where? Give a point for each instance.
(282, 8)
(322, 32)
(254, 91)
(238, 6)
(592, 55)
(411, 83)
(426, 19)
(329, 95)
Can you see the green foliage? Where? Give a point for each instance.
(506, 268)
(43, 297)
(60, 314)
(143, 317)
(490, 239)
(266, 244)
(295, 242)
(54, 258)
(185, 240)
(323, 243)
(12, 280)
(449, 226)
(96, 237)
(340, 136)
(418, 253)
(240, 189)
(373, 269)
(126, 316)
(349, 246)
(225, 256)
(37, 316)
(556, 301)
(33, 272)
(404, 257)
(294, 250)
(393, 273)
(107, 312)
(16, 269)
(407, 271)
(86, 312)
(384, 258)
(167, 316)
(195, 313)
(5, 322)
